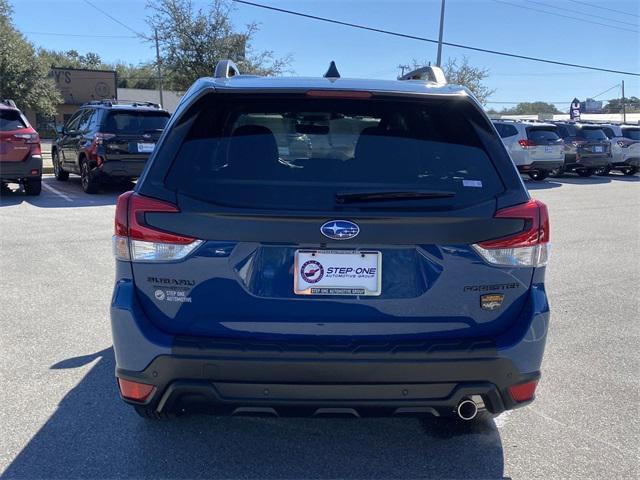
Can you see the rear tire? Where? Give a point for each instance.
(58, 172)
(587, 172)
(631, 171)
(32, 186)
(538, 175)
(149, 413)
(556, 172)
(89, 184)
(602, 171)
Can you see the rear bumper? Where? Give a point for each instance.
(290, 384)
(372, 378)
(122, 168)
(20, 170)
(595, 161)
(538, 166)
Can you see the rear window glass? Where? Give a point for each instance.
(506, 130)
(11, 120)
(567, 131)
(608, 132)
(592, 134)
(632, 133)
(299, 153)
(120, 122)
(543, 135)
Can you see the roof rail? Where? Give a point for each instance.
(429, 73)
(107, 102)
(9, 103)
(226, 69)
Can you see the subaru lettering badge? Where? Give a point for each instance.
(340, 229)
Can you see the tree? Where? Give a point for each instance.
(531, 108)
(466, 75)
(614, 105)
(72, 59)
(193, 41)
(23, 75)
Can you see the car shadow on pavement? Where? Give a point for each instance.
(54, 195)
(92, 434)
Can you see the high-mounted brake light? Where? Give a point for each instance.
(135, 240)
(527, 248)
(339, 94)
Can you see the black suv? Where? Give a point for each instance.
(107, 140)
(586, 148)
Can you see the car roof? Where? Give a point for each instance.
(126, 108)
(257, 83)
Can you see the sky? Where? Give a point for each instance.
(515, 26)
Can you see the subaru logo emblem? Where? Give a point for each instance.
(340, 229)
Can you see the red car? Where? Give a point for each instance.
(20, 152)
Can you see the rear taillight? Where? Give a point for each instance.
(527, 248)
(525, 143)
(32, 139)
(136, 241)
(28, 137)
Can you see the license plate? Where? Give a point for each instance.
(548, 149)
(598, 149)
(146, 147)
(337, 272)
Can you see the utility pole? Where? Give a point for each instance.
(439, 59)
(402, 69)
(624, 107)
(159, 69)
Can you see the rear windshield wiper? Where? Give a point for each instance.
(386, 196)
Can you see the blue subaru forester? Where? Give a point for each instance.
(316, 246)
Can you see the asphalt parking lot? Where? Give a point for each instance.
(61, 416)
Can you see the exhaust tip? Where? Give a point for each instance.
(467, 409)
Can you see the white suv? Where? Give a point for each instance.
(625, 148)
(534, 147)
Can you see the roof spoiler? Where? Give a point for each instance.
(9, 103)
(226, 69)
(430, 74)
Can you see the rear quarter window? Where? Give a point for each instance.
(298, 153)
(11, 120)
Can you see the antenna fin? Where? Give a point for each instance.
(332, 72)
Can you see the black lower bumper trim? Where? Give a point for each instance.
(300, 385)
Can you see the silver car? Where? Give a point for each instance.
(625, 148)
(535, 147)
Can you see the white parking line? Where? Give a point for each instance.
(57, 192)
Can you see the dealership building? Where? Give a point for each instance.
(78, 86)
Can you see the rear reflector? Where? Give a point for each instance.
(138, 392)
(523, 392)
(527, 248)
(135, 240)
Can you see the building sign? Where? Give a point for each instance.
(574, 110)
(79, 86)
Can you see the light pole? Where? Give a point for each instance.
(439, 59)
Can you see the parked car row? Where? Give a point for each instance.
(542, 149)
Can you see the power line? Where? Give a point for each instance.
(546, 5)
(58, 34)
(517, 5)
(607, 90)
(605, 8)
(138, 34)
(430, 40)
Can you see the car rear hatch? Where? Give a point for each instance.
(17, 139)
(544, 144)
(131, 135)
(592, 142)
(374, 234)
